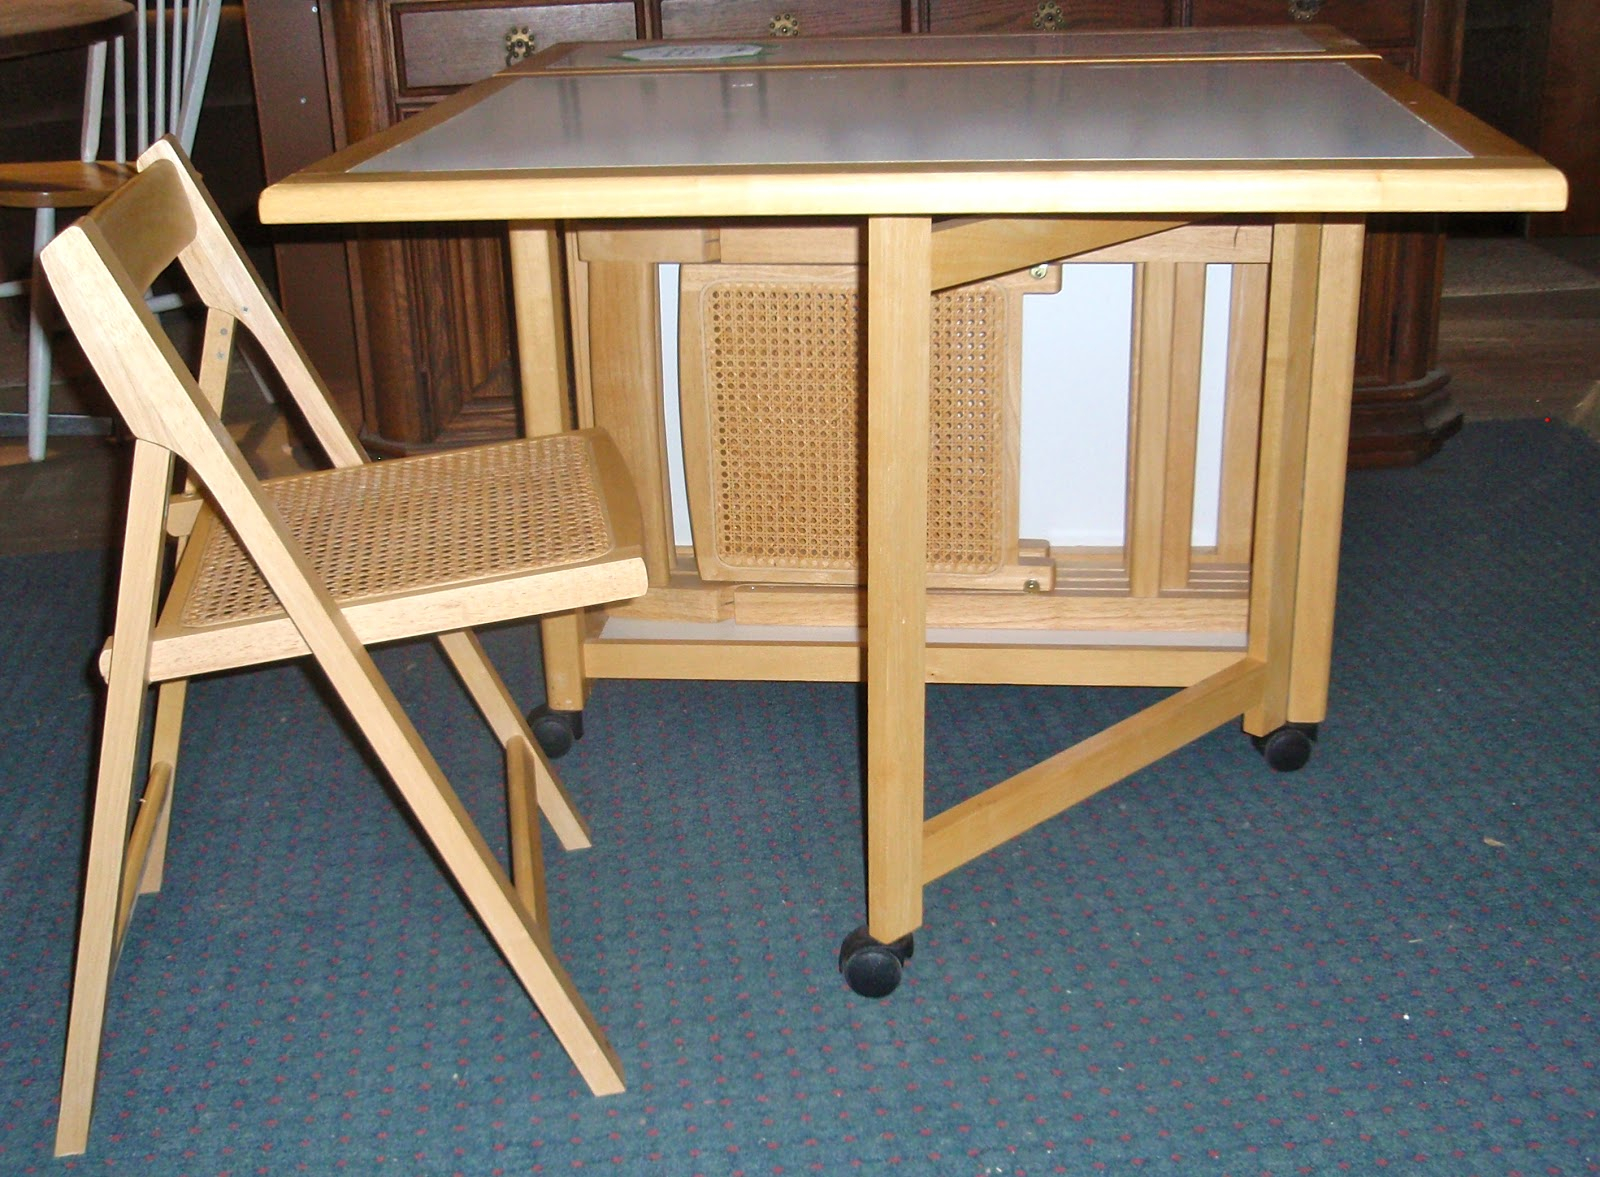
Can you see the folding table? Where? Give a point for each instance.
(953, 160)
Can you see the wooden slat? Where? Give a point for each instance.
(1183, 423)
(621, 242)
(151, 814)
(1003, 811)
(625, 377)
(510, 725)
(1225, 243)
(527, 858)
(180, 653)
(1241, 415)
(716, 658)
(1149, 424)
(164, 743)
(969, 249)
(127, 686)
(1515, 182)
(540, 322)
(807, 605)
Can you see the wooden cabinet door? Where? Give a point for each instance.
(1375, 23)
(433, 308)
(1402, 408)
(761, 19)
(440, 48)
(1032, 16)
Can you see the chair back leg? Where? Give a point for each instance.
(170, 699)
(525, 944)
(508, 722)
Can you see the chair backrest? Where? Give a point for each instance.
(172, 53)
(99, 268)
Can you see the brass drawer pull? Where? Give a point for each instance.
(1305, 9)
(785, 24)
(1049, 17)
(519, 43)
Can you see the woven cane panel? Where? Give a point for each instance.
(432, 520)
(783, 397)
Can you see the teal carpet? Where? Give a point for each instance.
(1386, 962)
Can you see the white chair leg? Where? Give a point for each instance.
(44, 228)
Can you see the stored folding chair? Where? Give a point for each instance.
(324, 563)
(173, 45)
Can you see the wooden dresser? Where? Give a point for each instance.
(444, 365)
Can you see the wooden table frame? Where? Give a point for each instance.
(920, 235)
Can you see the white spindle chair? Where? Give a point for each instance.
(172, 60)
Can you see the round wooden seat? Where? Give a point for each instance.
(40, 26)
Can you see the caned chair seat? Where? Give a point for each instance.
(323, 564)
(484, 534)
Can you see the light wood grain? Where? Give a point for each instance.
(1149, 426)
(1241, 415)
(534, 250)
(108, 823)
(1515, 183)
(898, 279)
(1285, 411)
(693, 653)
(1005, 810)
(1183, 423)
(969, 249)
(1068, 609)
(1322, 511)
(625, 377)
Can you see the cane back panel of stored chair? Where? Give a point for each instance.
(771, 376)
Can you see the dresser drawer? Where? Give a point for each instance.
(1372, 22)
(780, 18)
(1031, 16)
(443, 46)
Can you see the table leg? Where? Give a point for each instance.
(624, 325)
(1315, 287)
(1327, 447)
(1280, 480)
(540, 317)
(898, 275)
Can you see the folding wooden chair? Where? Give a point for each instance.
(324, 563)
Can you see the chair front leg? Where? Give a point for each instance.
(128, 686)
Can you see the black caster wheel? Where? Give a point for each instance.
(556, 731)
(1289, 747)
(870, 967)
